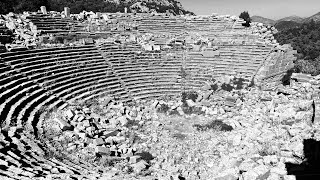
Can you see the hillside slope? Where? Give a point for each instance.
(112, 6)
(283, 25)
(315, 17)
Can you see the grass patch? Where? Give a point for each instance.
(218, 125)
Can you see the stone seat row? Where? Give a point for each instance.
(18, 56)
(30, 71)
(11, 111)
(202, 62)
(32, 68)
(78, 88)
(25, 159)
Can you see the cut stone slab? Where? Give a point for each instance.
(227, 177)
(237, 140)
(262, 171)
(155, 104)
(63, 124)
(69, 114)
(81, 118)
(190, 103)
(140, 166)
(134, 159)
(98, 142)
(86, 123)
(247, 165)
(75, 117)
(289, 177)
(123, 120)
(110, 132)
(86, 110)
(102, 150)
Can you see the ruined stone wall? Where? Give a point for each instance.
(276, 65)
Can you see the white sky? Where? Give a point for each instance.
(274, 9)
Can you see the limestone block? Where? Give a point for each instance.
(98, 142)
(69, 114)
(63, 124)
(123, 120)
(134, 159)
(147, 47)
(211, 53)
(87, 41)
(190, 103)
(102, 150)
(156, 48)
(86, 123)
(138, 167)
(317, 112)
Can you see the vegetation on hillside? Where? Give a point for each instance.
(283, 25)
(76, 6)
(306, 40)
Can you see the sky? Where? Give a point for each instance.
(273, 9)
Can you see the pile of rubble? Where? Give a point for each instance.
(25, 34)
(265, 32)
(109, 129)
(249, 133)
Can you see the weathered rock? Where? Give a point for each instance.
(134, 159)
(250, 175)
(69, 114)
(55, 171)
(102, 150)
(289, 177)
(262, 171)
(247, 165)
(237, 140)
(180, 111)
(270, 160)
(63, 124)
(86, 110)
(140, 166)
(81, 118)
(123, 120)
(86, 123)
(297, 148)
(304, 105)
(227, 177)
(190, 103)
(98, 142)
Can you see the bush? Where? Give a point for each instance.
(308, 66)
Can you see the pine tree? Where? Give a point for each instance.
(245, 15)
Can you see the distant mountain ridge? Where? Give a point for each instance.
(292, 18)
(286, 22)
(263, 20)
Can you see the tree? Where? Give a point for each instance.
(245, 16)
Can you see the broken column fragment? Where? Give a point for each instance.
(43, 9)
(67, 12)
